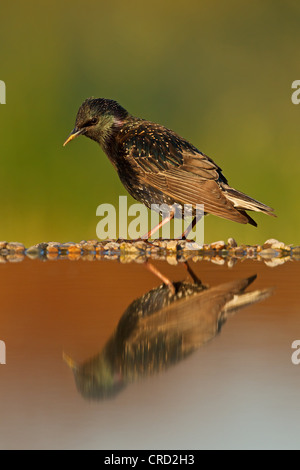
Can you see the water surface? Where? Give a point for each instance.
(101, 355)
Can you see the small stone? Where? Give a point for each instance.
(52, 255)
(141, 245)
(111, 256)
(206, 247)
(231, 262)
(41, 246)
(273, 243)
(154, 255)
(189, 245)
(88, 257)
(218, 260)
(86, 246)
(16, 247)
(53, 244)
(296, 255)
(112, 246)
(15, 258)
(52, 250)
(187, 255)
(93, 242)
(63, 249)
(153, 249)
(107, 240)
(232, 243)
(126, 258)
(239, 252)
(2, 245)
(140, 259)
(74, 250)
(281, 246)
(33, 252)
(74, 256)
(220, 245)
(276, 262)
(269, 253)
(128, 247)
(197, 258)
(251, 252)
(172, 245)
(172, 260)
(161, 244)
(63, 255)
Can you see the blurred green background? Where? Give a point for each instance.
(219, 73)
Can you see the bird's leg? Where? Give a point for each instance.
(192, 274)
(161, 224)
(163, 278)
(191, 226)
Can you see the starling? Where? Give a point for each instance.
(157, 166)
(159, 330)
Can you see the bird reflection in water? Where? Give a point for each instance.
(160, 329)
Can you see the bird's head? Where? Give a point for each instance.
(97, 379)
(97, 119)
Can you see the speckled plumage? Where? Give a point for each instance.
(160, 329)
(157, 166)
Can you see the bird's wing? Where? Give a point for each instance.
(185, 188)
(155, 148)
(195, 319)
(172, 165)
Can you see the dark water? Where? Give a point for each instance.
(102, 355)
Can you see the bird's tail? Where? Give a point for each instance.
(245, 299)
(242, 299)
(244, 202)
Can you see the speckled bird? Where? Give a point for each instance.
(160, 329)
(157, 166)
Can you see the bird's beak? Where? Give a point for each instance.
(75, 132)
(69, 361)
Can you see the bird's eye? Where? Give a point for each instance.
(91, 122)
